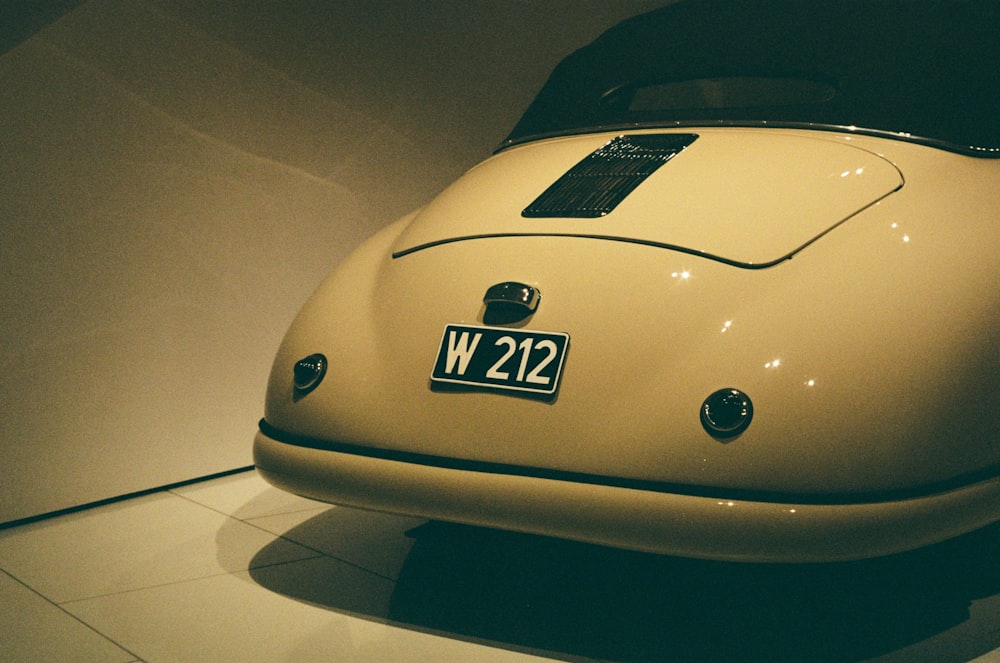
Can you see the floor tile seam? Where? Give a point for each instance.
(247, 522)
(27, 585)
(484, 641)
(314, 549)
(259, 528)
(247, 519)
(321, 553)
(75, 618)
(335, 557)
(308, 547)
(320, 509)
(160, 585)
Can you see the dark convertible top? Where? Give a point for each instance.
(921, 70)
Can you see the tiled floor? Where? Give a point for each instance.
(234, 570)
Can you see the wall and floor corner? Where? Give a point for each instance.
(177, 176)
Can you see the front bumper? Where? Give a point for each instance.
(709, 527)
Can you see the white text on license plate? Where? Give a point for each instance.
(500, 358)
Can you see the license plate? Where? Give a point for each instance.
(500, 358)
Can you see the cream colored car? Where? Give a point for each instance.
(729, 290)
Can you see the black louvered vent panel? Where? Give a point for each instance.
(596, 185)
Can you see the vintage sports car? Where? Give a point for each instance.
(728, 290)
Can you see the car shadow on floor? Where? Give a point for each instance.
(576, 600)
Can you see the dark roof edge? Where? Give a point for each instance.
(980, 152)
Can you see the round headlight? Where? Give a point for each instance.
(726, 413)
(308, 373)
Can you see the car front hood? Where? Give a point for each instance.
(751, 197)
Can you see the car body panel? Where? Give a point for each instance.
(650, 521)
(777, 192)
(845, 280)
(850, 415)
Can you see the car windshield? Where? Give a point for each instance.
(920, 70)
(729, 92)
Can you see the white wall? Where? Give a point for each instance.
(176, 176)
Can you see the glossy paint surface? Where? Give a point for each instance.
(866, 354)
(745, 196)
